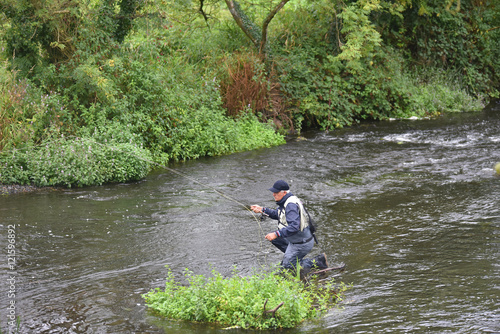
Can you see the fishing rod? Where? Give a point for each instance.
(174, 171)
(114, 148)
(194, 180)
(246, 207)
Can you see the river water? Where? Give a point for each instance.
(411, 207)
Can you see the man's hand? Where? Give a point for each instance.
(256, 208)
(271, 236)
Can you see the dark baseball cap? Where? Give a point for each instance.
(278, 186)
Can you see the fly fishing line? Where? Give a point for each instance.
(183, 175)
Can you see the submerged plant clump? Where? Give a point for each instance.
(263, 300)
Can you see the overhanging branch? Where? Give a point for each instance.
(266, 22)
(240, 18)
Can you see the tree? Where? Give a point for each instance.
(128, 9)
(257, 35)
(49, 31)
(40, 31)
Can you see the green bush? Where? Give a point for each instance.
(13, 167)
(328, 94)
(97, 70)
(434, 91)
(27, 113)
(461, 36)
(204, 132)
(172, 107)
(339, 71)
(242, 301)
(75, 162)
(137, 96)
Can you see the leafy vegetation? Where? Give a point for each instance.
(264, 300)
(177, 80)
(75, 162)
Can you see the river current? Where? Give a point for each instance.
(411, 207)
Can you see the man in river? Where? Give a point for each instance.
(294, 236)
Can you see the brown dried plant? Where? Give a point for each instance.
(246, 85)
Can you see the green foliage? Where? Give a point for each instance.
(242, 301)
(147, 74)
(27, 113)
(165, 100)
(195, 133)
(134, 95)
(434, 91)
(124, 25)
(362, 38)
(179, 28)
(40, 32)
(50, 32)
(463, 36)
(331, 87)
(13, 167)
(75, 162)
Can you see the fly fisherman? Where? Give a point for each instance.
(294, 236)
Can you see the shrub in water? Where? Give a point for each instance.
(242, 301)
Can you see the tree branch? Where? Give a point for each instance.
(273, 311)
(257, 36)
(205, 16)
(266, 22)
(234, 9)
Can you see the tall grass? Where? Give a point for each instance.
(433, 91)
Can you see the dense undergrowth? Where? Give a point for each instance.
(263, 300)
(130, 84)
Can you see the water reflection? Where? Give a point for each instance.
(411, 207)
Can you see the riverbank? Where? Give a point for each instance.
(406, 205)
(16, 189)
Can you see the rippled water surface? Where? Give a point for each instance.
(412, 208)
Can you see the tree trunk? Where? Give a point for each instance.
(257, 35)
